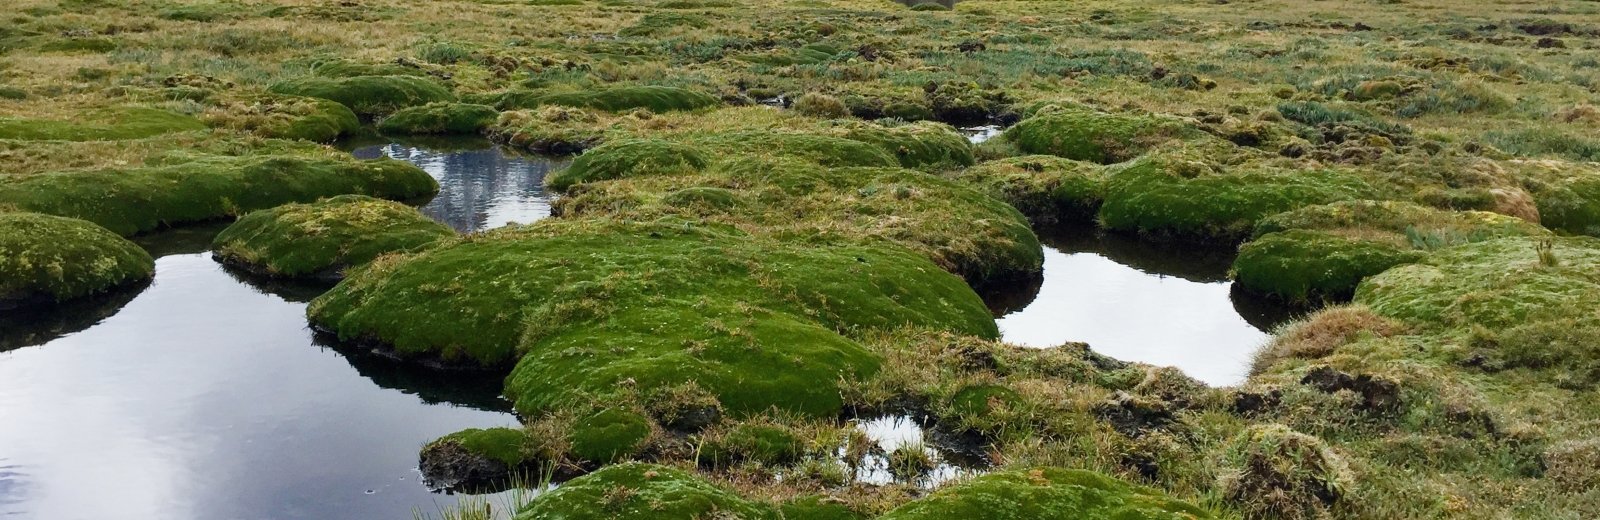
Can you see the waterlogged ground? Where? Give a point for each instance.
(206, 395)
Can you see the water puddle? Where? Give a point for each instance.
(481, 186)
(897, 432)
(1140, 301)
(205, 395)
(979, 134)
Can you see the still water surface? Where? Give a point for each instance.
(1140, 301)
(205, 396)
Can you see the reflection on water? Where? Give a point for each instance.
(481, 186)
(206, 396)
(891, 432)
(1140, 301)
(979, 134)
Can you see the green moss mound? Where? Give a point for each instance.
(324, 238)
(638, 490)
(614, 99)
(1046, 493)
(1514, 303)
(208, 188)
(817, 508)
(829, 151)
(769, 444)
(609, 435)
(1301, 265)
(1046, 188)
(1085, 134)
(341, 68)
(1571, 204)
(53, 259)
(440, 118)
(921, 145)
(1324, 251)
(1499, 283)
(979, 400)
(101, 125)
(961, 230)
(503, 445)
(629, 158)
(1427, 227)
(288, 117)
(930, 6)
(593, 307)
(368, 95)
(1178, 194)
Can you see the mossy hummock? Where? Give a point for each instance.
(630, 158)
(1085, 134)
(323, 239)
(963, 231)
(208, 188)
(48, 259)
(586, 309)
(613, 99)
(369, 95)
(1185, 193)
(637, 490)
(440, 118)
(923, 145)
(1324, 251)
(287, 117)
(1046, 188)
(1028, 494)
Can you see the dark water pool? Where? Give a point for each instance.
(205, 396)
(1137, 300)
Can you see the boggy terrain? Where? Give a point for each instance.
(774, 229)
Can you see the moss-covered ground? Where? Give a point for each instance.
(759, 235)
(47, 259)
(322, 239)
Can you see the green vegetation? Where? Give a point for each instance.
(1325, 251)
(106, 124)
(722, 268)
(769, 444)
(369, 95)
(613, 99)
(503, 445)
(1045, 188)
(636, 490)
(1284, 474)
(1084, 134)
(609, 435)
(1046, 493)
(1186, 193)
(590, 304)
(52, 259)
(439, 118)
(324, 238)
(635, 158)
(286, 117)
(207, 188)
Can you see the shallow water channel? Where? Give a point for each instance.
(204, 395)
